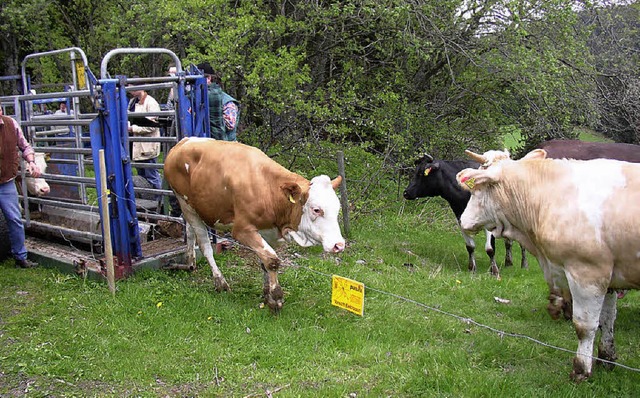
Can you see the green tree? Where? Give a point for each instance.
(392, 76)
(616, 52)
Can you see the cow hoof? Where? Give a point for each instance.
(274, 299)
(556, 306)
(221, 285)
(554, 311)
(605, 365)
(579, 373)
(274, 305)
(606, 355)
(578, 377)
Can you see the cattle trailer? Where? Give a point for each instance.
(64, 228)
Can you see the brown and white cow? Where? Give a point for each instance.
(579, 218)
(220, 183)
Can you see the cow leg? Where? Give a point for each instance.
(490, 248)
(191, 246)
(197, 229)
(471, 247)
(559, 294)
(508, 258)
(560, 303)
(555, 306)
(508, 255)
(567, 304)
(606, 348)
(524, 263)
(273, 294)
(588, 300)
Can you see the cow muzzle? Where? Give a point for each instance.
(469, 226)
(408, 195)
(42, 191)
(338, 247)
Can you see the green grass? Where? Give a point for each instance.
(171, 334)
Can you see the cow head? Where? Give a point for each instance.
(426, 180)
(483, 211)
(480, 212)
(319, 221)
(38, 186)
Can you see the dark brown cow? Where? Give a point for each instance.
(228, 184)
(581, 150)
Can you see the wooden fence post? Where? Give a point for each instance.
(344, 201)
(106, 224)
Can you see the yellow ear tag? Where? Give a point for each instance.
(471, 182)
(427, 171)
(291, 199)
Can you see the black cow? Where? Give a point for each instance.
(438, 178)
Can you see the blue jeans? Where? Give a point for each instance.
(151, 175)
(12, 213)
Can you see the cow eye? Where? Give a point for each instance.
(317, 212)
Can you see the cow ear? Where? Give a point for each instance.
(435, 166)
(335, 183)
(291, 191)
(536, 154)
(471, 179)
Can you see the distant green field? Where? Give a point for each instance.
(512, 139)
(591, 136)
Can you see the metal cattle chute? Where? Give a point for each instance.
(64, 228)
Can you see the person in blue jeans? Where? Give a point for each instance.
(12, 139)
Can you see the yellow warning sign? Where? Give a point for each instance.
(82, 82)
(347, 294)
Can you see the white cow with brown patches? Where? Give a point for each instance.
(579, 218)
(228, 184)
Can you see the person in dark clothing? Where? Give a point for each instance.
(224, 111)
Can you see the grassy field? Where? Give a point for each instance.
(170, 334)
(430, 328)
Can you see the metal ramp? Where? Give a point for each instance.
(64, 228)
